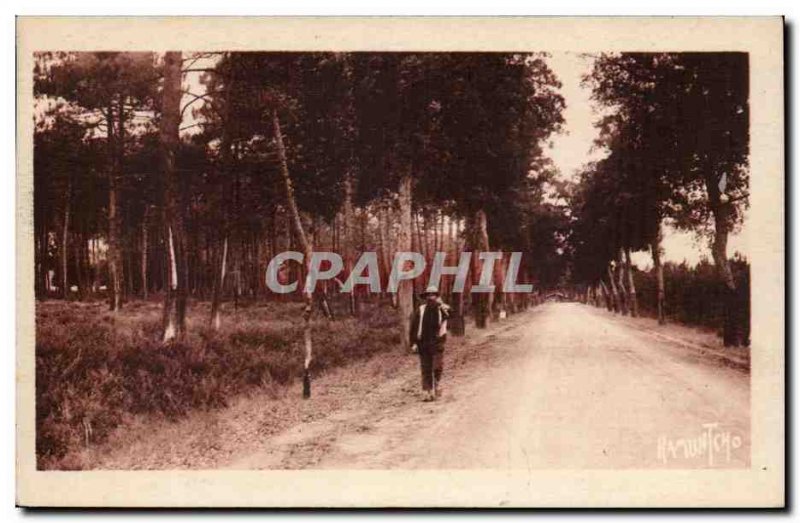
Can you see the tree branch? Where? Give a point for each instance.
(200, 70)
(737, 198)
(199, 56)
(195, 97)
(193, 125)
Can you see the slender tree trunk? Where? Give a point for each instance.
(419, 247)
(349, 254)
(79, 274)
(335, 234)
(607, 296)
(614, 293)
(405, 299)
(655, 249)
(123, 211)
(456, 323)
(632, 302)
(483, 230)
(425, 227)
(95, 271)
(447, 245)
(621, 290)
(219, 285)
(38, 287)
(435, 235)
(258, 264)
(441, 246)
(305, 247)
(86, 263)
(485, 300)
(237, 276)
(732, 328)
(82, 262)
(41, 255)
(127, 265)
(175, 297)
(235, 234)
(220, 242)
(113, 256)
(500, 270)
(382, 247)
(65, 240)
(731, 333)
(144, 253)
(391, 249)
(169, 320)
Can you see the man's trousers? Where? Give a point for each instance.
(431, 357)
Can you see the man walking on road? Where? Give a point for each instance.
(428, 335)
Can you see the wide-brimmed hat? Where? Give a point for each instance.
(432, 289)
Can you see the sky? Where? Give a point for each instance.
(573, 148)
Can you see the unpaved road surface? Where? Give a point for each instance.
(562, 386)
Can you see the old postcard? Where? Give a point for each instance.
(400, 262)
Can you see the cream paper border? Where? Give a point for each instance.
(761, 485)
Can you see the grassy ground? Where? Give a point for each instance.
(96, 371)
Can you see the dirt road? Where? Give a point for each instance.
(563, 386)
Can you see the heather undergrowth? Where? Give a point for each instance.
(95, 369)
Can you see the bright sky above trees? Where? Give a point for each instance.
(573, 148)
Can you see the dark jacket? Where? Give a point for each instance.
(429, 324)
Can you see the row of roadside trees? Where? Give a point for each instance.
(675, 129)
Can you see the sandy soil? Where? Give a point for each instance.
(562, 386)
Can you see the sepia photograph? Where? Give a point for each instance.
(425, 260)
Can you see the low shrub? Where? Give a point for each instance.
(695, 295)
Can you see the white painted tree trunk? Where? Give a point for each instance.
(176, 293)
(302, 239)
(633, 304)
